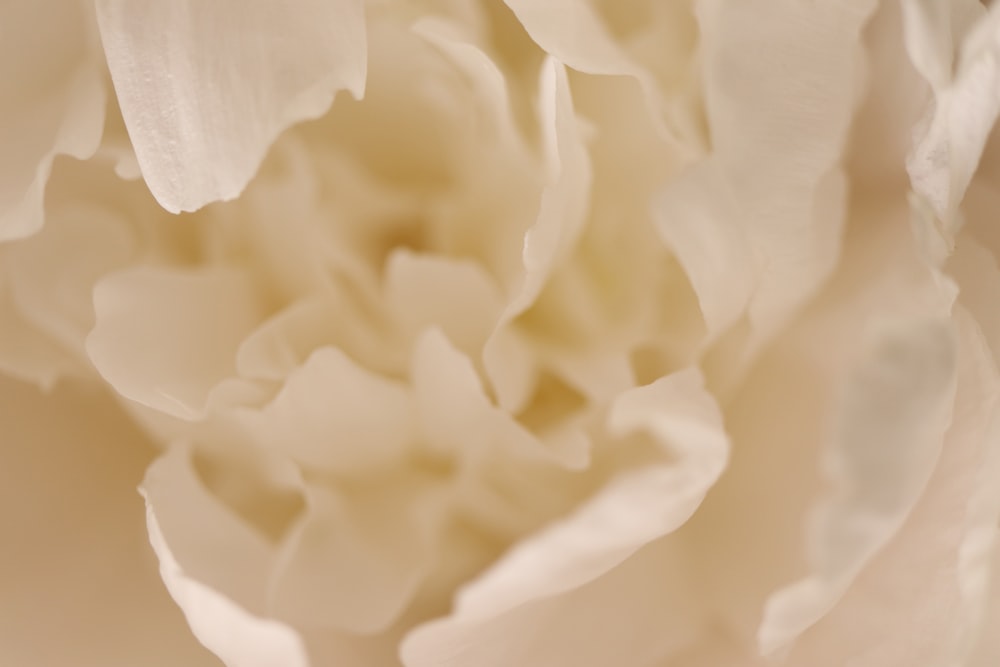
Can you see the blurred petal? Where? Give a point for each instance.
(948, 147)
(634, 509)
(888, 436)
(205, 88)
(636, 614)
(335, 416)
(358, 555)
(561, 216)
(223, 627)
(51, 100)
(78, 577)
(166, 338)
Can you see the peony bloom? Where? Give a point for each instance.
(482, 333)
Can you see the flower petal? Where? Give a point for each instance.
(358, 555)
(630, 512)
(335, 416)
(239, 638)
(75, 563)
(51, 100)
(166, 338)
(887, 439)
(205, 88)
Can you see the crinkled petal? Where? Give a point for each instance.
(239, 638)
(205, 88)
(166, 338)
(51, 100)
(777, 134)
(888, 435)
(947, 150)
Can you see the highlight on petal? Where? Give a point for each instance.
(561, 216)
(51, 100)
(887, 438)
(950, 144)
(633, 510)
(239, 638)
(205, 88)
(166, 338)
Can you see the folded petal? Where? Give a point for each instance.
(51, 100)
(166, 338)
(205, 88)
(335, 416)
(239, 638)
(358, 555)
(888, 435)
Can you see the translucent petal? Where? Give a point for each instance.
(206, 88)
(166, 338)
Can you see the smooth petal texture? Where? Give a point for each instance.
(359, 553)
(223, 627)
(887, 439)
(334, 416)
(79, 581)
(165, 338)
(51, 100)
(637, 614)
(206, 88)
(683, 419)
(561, 216)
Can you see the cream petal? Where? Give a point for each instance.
(562, 212)
(888, 434)
(776, 144)
(639, 613)
(987, 650)
(335, 416)
(682, 418)
(53, 100)
(456, 296)
(239, 638)
(79, 580)
(53, 273)
(166, 338)
(27, 353)
(948, 147)
(206, 88)
(920, 600)
(358, 555)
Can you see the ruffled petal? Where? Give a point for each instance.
(51, 100)
(781, 85)
(334, 416)
(205, 88)
(888, 435)
(165, 338)
(947, 149)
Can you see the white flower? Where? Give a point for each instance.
(659, 334)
